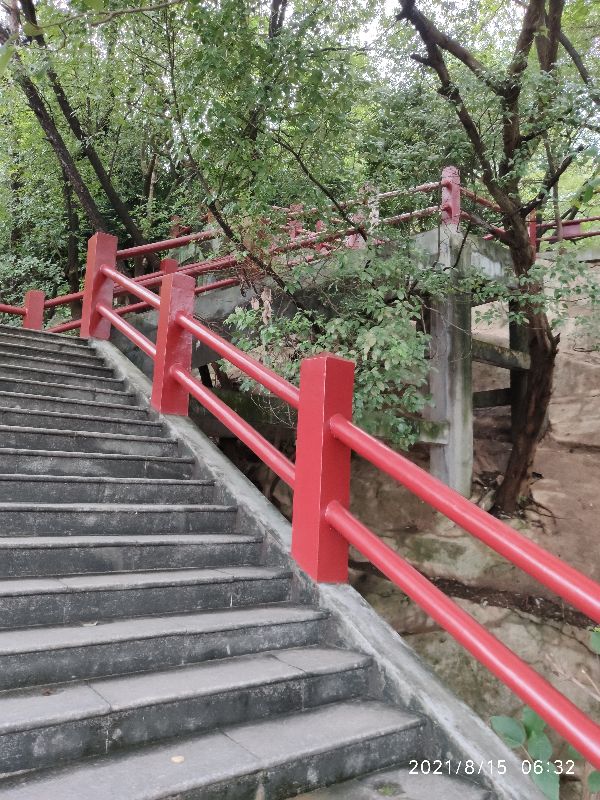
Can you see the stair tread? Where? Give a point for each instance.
(124, 437)
(58, 703)
(28, 333)
(108, 479)
(124, 540)
(55, 385)
(151, 773)
(86, 417)
(69, 400)
(57, 372)
(402, 784)
(20, 451)
(86, 353)
(166, 508)
(119, 581)
(18, 641)
(43, 357)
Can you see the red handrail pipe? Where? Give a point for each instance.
(557, 710)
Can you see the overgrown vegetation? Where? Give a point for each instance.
(120, 118)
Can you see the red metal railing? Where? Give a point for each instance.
(322, 526)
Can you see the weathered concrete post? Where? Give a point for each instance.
(451, 373)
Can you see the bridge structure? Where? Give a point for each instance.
(323, 528)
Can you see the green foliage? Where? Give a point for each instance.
(528, 734)
(511, 731)
(363, 308)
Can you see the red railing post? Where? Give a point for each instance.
(34, 310)
(169, 265)
(322, 467)
(450, 196)
(102, 251)
(173, 344)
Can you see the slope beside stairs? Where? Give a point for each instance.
(151, 646)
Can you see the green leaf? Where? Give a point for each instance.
(95, 5)
(548, 781)
(594, 781)
(572, 753)
(6, 52)
(595, 641)
(510, 730)
(32, 30)
(539, 747)
(532, 721)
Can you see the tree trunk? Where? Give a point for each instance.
(36, 104)
(72, 120)
(72, 268)
(543, 347)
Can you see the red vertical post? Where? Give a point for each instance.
(34, 310)
(322, 467)
(173, 344)
(102, 251)
(168, 266)
(450, 196)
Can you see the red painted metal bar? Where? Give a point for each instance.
(583, 235)
(198, 268)
(142, 306)
(495, 230)
(422, 212)
(479, 199)
(271, 456)
(155, 278)
(167, 244)
(127, 329)
(568, 583)
(208, 287)
(548, 225)
(424, 187)
(250, 366)
(311, 241)
(7, 309)
(63, 299)
(535, 691)
(132, 287)
(65, 326)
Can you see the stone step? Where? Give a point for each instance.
(58, 420)
(404, 784)
(65, 405)
(43, 726)
(93, 598)
(273, 759)
(68, 391)
(44, 339)
(81, 355)
(35, 556)
(117, 465)
(77, 441)
(71, 519)
(37, 656)
(43, 362)
(74, 489)
(48, 373)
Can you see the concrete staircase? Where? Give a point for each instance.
(150, 647)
